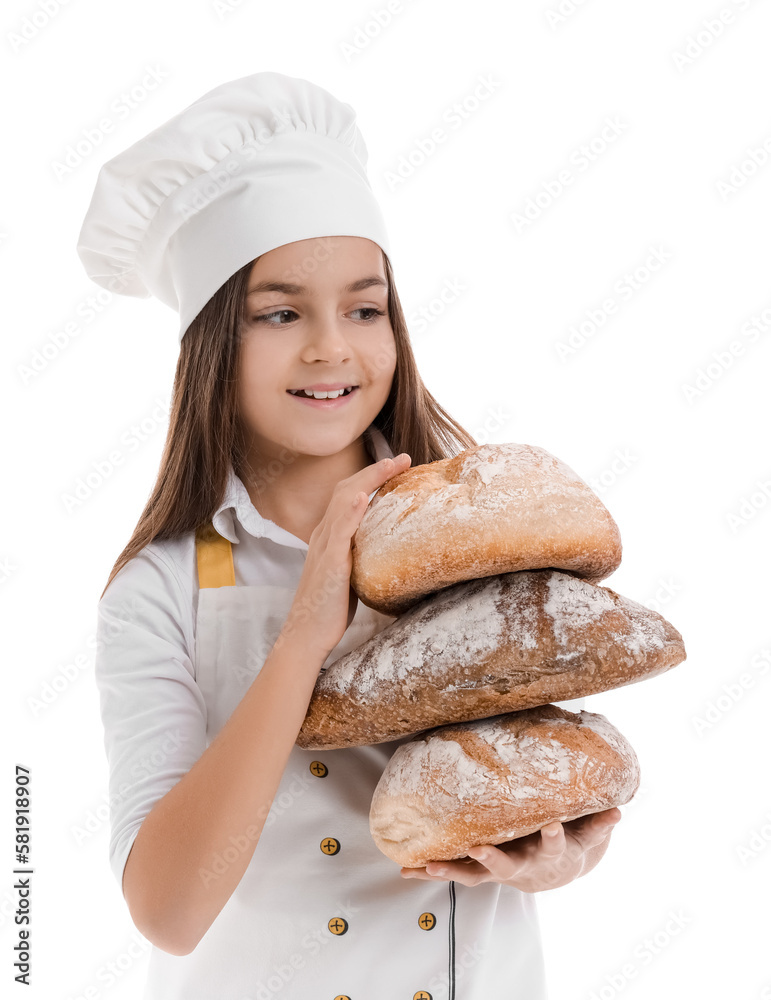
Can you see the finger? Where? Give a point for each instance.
(595, 827)
(463, 870)
(552, 840)
(606, 820)
(608, 817)
(466, 871)
(352, 514)
(376, 475)
(373, 476)
(500, 865)
(421, 873)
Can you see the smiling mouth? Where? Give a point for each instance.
(331, 394)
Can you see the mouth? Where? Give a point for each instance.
(322, 394)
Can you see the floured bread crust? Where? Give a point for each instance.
(493, 780)
(484, 647)
(491, 509)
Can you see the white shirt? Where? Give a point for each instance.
(153, 712)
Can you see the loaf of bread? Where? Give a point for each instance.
(480, 648)
(497, 779)
(494, 508)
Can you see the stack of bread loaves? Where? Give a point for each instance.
(490, 562)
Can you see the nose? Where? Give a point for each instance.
(326, 340)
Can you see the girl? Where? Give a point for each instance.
(246, 861)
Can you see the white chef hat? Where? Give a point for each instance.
(258, 162)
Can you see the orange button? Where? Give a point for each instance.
(329, 845)
(427, 921)
(337, 925)
(319, 769)
(422, 995)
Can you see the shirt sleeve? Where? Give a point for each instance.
(153, 712)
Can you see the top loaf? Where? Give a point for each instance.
(493, 508)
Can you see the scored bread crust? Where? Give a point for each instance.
(483, 647)
(491, 509)
(497, 779)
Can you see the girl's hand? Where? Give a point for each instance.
(547, 859)
(325, 603)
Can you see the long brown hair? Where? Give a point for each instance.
(205, 435)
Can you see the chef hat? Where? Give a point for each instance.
(255, 163)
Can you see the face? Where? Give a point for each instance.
(316, 315)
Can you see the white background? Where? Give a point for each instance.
(682, 474)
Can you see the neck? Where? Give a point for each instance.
(294, 490)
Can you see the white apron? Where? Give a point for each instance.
(320, 913)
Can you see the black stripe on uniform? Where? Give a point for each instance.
(452, 942)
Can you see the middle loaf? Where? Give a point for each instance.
(485, 647)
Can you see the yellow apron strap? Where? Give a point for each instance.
(215, 558)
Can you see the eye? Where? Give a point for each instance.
(266, 317)
(370, 309)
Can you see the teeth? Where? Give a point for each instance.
(333, 394)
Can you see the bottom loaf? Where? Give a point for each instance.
(496, 779)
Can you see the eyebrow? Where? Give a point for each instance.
(287, 288)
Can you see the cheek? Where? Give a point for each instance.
(263, 361)
(257, 375)
(380, 363)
